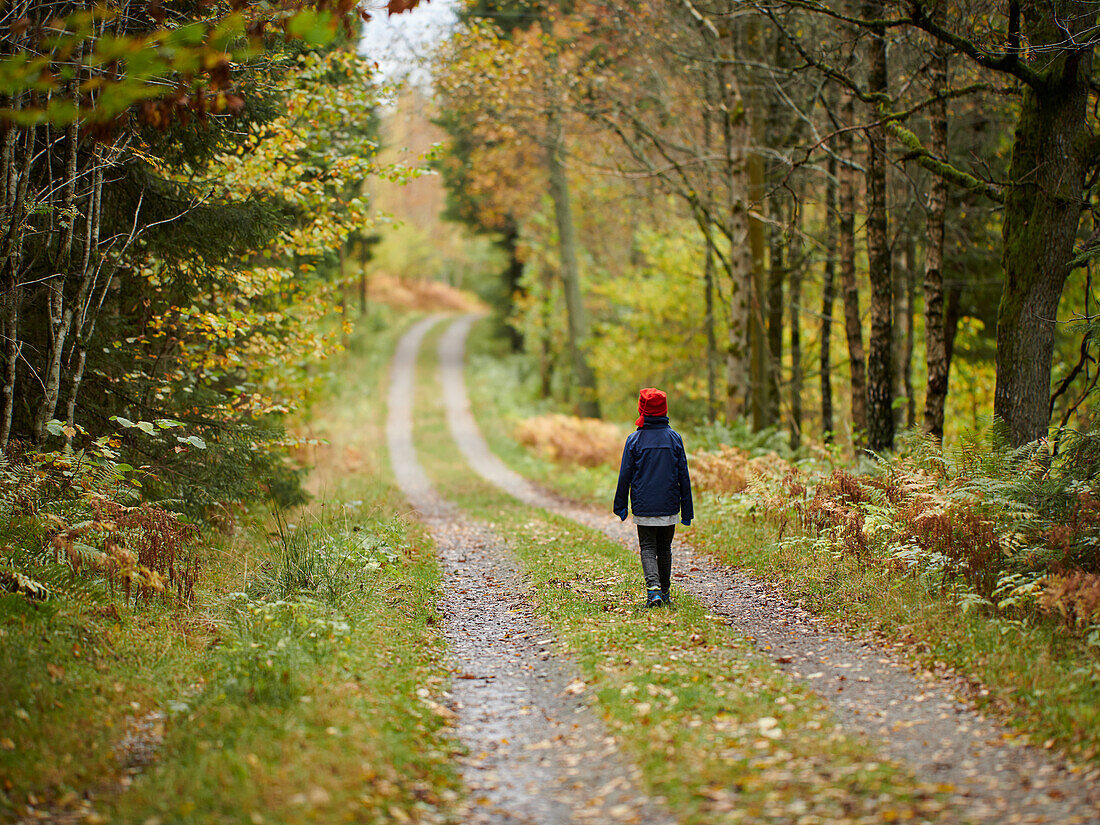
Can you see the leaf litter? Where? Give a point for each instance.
(917, 719)
(536, 752)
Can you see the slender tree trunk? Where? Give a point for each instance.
(712, 340)
(737, 353)
(899, 268)
(853, 325)
(9, 284)
(905, 265)
(546, 338)
(776, 276)
(736, 136)
(708, 264)
(880, 396)
(910, 332)
(1050, 156)
(827, 300)
(12, 348)
(756, 245)
(18, 157)
(513, 273)
(794, 270)
(62, 313)
(585, 379)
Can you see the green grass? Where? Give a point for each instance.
(1042, 680)
(718, 731)
(287, 701)
(1045, 682)
(72, 673)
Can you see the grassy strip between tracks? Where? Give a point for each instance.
(718, 732)
(1042, 681)
(299, 688)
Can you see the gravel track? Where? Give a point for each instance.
(536, 752)
(914, 718)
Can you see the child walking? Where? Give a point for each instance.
(654, 473)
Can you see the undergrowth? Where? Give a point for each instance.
(980, 558)
(718, 732)
(288, 655)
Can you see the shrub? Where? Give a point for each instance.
(567, 439)
(70, 517)
(730, 470)
(325, 559)
(996, 520)
(1074, 597)
(271, 642)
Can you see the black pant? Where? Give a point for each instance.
(655, 545)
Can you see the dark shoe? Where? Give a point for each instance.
(666, 597)
(653, 598)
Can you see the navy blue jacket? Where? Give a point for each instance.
(654, 472)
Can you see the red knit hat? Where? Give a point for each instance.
(651, 401)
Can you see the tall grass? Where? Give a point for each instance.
(330, 559)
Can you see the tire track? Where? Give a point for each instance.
(537, 754)
(919, 721)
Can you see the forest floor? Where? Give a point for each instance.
(539, 751)
(498, 667)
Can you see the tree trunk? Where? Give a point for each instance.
(905, 264)
(12, 348)
(712, 340)
(853, 326)
(776, 275)
(761, 362)
(588, 404)
(880, 396)
(62, 312)
(11, 288)
(899, 268)
(736, 136)
(827, 301)
(546, 338)
(513, 274)
(18, 155)
(794, 270)
(1050, 157)
(910, 331)
(737, 352)
(708, 264)
(935, 342)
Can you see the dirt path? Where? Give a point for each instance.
(911, 718)
(537, 753)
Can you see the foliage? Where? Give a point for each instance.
(314, 711)
(326, 560)
(272, 643)
(984, 522)
(70, 522)
(223, 343)
(566, 439)
(686, 696)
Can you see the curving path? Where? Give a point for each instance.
(537, 754)
(912, 719)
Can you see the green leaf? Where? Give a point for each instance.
(146, 427)
(312, 26)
